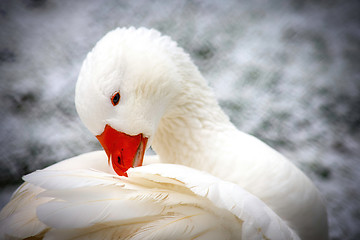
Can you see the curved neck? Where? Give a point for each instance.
(190, 129)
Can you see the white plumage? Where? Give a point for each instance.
(229, 185)
(157, 201)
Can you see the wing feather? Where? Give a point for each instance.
(18, 218)
(258, 218)
(170, 208)
(157, 201)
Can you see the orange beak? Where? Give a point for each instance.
(124, 151)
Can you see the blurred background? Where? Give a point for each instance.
(286, 71)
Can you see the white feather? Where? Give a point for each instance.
(160, 207)
(158, 201)
(257, 217)
(249, 190)
(18, 218)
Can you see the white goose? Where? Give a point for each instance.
(137, 88)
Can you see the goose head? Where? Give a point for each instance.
(125, 86)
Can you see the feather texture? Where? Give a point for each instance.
(157, 201)
(249, 190)
(18, 218)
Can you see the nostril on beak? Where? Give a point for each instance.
(119, 160)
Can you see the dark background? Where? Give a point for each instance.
(286, 71)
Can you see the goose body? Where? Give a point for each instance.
(213, 182)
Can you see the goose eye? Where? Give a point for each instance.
(115, 99)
